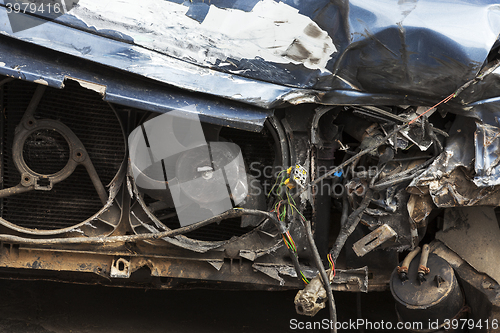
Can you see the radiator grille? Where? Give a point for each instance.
(46, 151)
(94, 123)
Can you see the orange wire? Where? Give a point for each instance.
(443, 101)
(291, 239)
(286, 242)
(278, 210)
(332, 263)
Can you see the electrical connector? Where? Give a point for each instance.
(297, 176)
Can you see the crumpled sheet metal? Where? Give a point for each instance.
(419, 208)
(467, 171)
(53, 69)
(487, 149)
(345, 280)
(399, 220)
(371, 51)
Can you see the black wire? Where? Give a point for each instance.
(350, 160)
(134, 238)
(401, 176)
(386, 184)
(283, 141)
(345, 210)
(296, 264)
(351, 224)
(324, 277)
(277, 143)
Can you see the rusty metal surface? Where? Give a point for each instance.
(403, 150)
(473, 233)
(107, 265)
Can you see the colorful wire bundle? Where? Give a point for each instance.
(332, 264)
(281, 210)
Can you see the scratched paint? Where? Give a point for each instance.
(272, 31)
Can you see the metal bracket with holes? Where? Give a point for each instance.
(120, 268)
(31, 180)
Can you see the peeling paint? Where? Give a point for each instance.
(272, 31)
(296, 98)
(42, 82)
(98, 88)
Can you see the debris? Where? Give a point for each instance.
(373, 239)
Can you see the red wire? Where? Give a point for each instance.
(443, 101)
(278, 210)
(291, 239)
(333, 264)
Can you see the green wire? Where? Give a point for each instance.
(288, 243)
(304, 278)
(276, 183)
(293, 205)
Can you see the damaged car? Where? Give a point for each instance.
(319, 146)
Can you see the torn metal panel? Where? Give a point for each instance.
(254, 254)
(270, 271)
(150, 64)
(55, 69)
(486, 162)
(273, 31)
(419, 208)
(473, 233)
(452, 179)
(344, 48)
(98, 88)
(217, 264)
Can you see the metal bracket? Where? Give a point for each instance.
(373, 239)
(120, 268)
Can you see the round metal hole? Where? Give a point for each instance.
(46, 151)
(26, 180)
